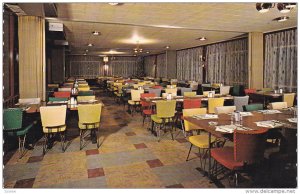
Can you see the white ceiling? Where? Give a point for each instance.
(153, 21)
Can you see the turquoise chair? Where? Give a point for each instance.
(253, 107)
(86, 93)
(12, 122)
(53, 99)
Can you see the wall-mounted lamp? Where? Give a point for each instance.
(105, 59)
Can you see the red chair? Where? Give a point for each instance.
(249, 148)
(146, 106)
(191, 103)
(62, 94)
(250, 91)
(157, 87)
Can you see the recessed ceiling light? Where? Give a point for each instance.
(86, 50)
(147, 52)
(84, 54)
(90, 44)
(167, 47)
(285, 7)
(290, 5)
(96, 33)
(282, 19)
(113, 4)
(263, 7)
(202, 38)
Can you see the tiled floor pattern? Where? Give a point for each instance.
(129, 157)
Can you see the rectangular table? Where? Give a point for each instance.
(248, 121)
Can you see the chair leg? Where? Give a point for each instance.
(144, 116)
(81, 139)
(187, 158)
(158, 129)
(236, 179)
(45, 144)
(183, 129)
(22, 146)
(62, 139)
(97, 136)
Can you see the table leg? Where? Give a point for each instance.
(209, 156)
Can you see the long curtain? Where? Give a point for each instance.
(123, 66)
(31, 31)
(227, 62)
(189, 64)
(161, 66)
(280, 64)
(149, 65)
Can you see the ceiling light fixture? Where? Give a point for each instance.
(202, 38)
(86, 50)
(137, 48)
(285, 7)
(114, 3)
(282, 19)
(263, 7)
(167, 47)
(96, 33)
(147, 52)
(90, 44)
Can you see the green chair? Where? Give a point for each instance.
(12, 122)
(253, 107)
(86, 93)
(165, 114)
(236, 90)
(53, 99)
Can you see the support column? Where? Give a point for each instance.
(32, 57)
(256, 60)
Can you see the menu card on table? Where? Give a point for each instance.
(269, 124)
(231, 128)
(269, 111)
(206, 116)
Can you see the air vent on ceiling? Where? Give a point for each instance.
(15, 8)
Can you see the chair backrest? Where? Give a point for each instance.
(183, 90)
(289, 99)
(250, 91)
(30, 100)
(164, 95)
(53, 115)
(224, 109)
(136, 94)
(12, 118)
(171, 90)
(85, 98)
(53, 85)
(214, 102)
(145, 95)
(278, 105)
(171, 86)
(240, 101)
(236, 90)
(62, 94)
(156, 91)
(87, 88)
(82, 84)
(86, 93)
(89, 113)
(224, 90)
(194, 86)
(249, 146)
(205, 93)
(157, 87)
(67, 89)
(165, 108)
(53, 99)
(191, 103)
(253, 107)
(267, 89)
(190, 112)
(189, 94)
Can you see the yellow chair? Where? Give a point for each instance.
(278, 105)
(84, 88)
(189, 94)
(83, 85)
(225, 109)
(53, 121)
(201, 141)
(85, 98)
(171, 91)
(171, 86)
(165, 113)
(213, 103)
(289, 99)
(89, 119)
(135, 99)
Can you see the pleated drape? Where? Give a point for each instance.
(125, 67)
(227, 62)
(280, 64)
(31, 31)
(149, 65)
(161, 66)
(189, 64)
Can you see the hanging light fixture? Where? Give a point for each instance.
(263, 7)
(285, 7)
(105, 59)
(282, 7)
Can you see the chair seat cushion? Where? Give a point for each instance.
(54, 130)
(148, 112)
(131, 102)
(156, 119)
(201, 141)
(19, 132)
(81, 126)
(225, 157)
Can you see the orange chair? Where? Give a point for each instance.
(62, 94)
(191, 103)
(146, 106)
(250, 91)
(157, 87)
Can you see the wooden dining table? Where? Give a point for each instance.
(247, 121)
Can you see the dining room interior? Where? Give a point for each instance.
(149, 95)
